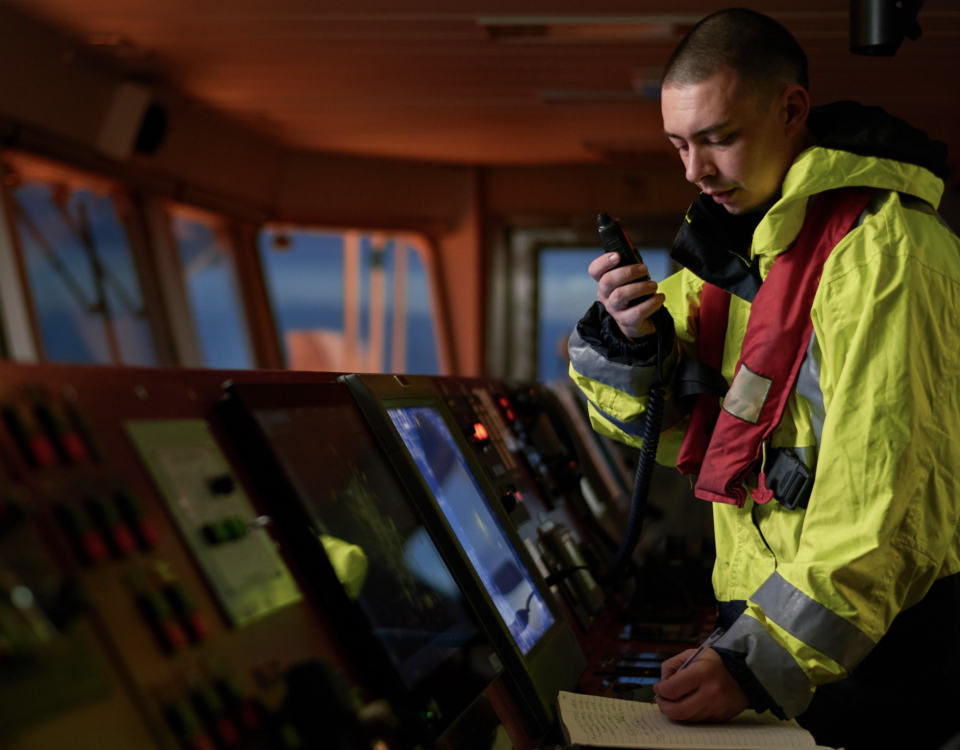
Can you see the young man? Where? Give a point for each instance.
(842, 610)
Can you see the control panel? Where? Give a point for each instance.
(149, 598)
(143, 601)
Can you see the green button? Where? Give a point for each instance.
(236, 528)
(216, 533)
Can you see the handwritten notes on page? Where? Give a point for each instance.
(607, 722)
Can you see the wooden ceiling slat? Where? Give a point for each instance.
(424, 81)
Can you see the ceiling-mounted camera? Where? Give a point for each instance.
(878, 27)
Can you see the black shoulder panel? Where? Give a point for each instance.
(870, 131)
(715, 246)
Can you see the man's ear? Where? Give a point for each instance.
(795, 103)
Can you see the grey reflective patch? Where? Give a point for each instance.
(747, 394)
(634, 381)
(808, 386)
(807, 454)
(873, 207)
(811, 622)
(636, 428)
(772, 665)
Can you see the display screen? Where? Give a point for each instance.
(468, 511)
(373, 537)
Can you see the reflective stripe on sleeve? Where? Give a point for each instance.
(633, 381)
(808, 386)
(636, 428)
(812, 623)
(772, 665)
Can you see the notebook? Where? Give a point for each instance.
(592, 721)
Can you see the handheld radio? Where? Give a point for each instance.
(615, 240)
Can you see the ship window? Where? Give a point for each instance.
(350, 301)
(209, 276)
(81, 271)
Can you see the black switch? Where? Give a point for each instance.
(222, 485)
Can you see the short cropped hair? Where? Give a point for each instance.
(760, 51)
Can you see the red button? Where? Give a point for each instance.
(201, 742)
(93, 546)
(227, 732)
(249, 716)
(42, 450)
(147, 534)
(74, 448)
(173, 636)
(197, 626)
(123, 539)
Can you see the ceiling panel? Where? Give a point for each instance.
(426, 81)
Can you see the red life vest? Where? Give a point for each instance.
(773, 349)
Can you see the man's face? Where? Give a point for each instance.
(732, 141)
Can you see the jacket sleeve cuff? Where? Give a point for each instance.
(600, 331)
(638, 353)
(770, 663)
(759, 698)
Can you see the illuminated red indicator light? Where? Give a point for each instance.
(480, 432)
(510, 415)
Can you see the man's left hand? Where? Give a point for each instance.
(703, 692)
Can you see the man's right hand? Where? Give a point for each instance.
(617, 286)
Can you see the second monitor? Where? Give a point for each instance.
(490, 562)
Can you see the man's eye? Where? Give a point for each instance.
(721, 141)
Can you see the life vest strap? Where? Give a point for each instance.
(693, 378)
(714, 314)
(724, 445)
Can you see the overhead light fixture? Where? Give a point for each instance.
(579, 29)
(119, 46)
(878, 27)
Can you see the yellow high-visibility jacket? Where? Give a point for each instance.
(876, 410)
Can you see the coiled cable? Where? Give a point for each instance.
(648, 455)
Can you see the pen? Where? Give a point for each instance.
(714, 637)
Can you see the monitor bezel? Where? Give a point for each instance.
(351, 625)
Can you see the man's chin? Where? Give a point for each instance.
(737, 209)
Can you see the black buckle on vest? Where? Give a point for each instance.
(790, 480)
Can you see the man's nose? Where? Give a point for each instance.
(699, 165)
